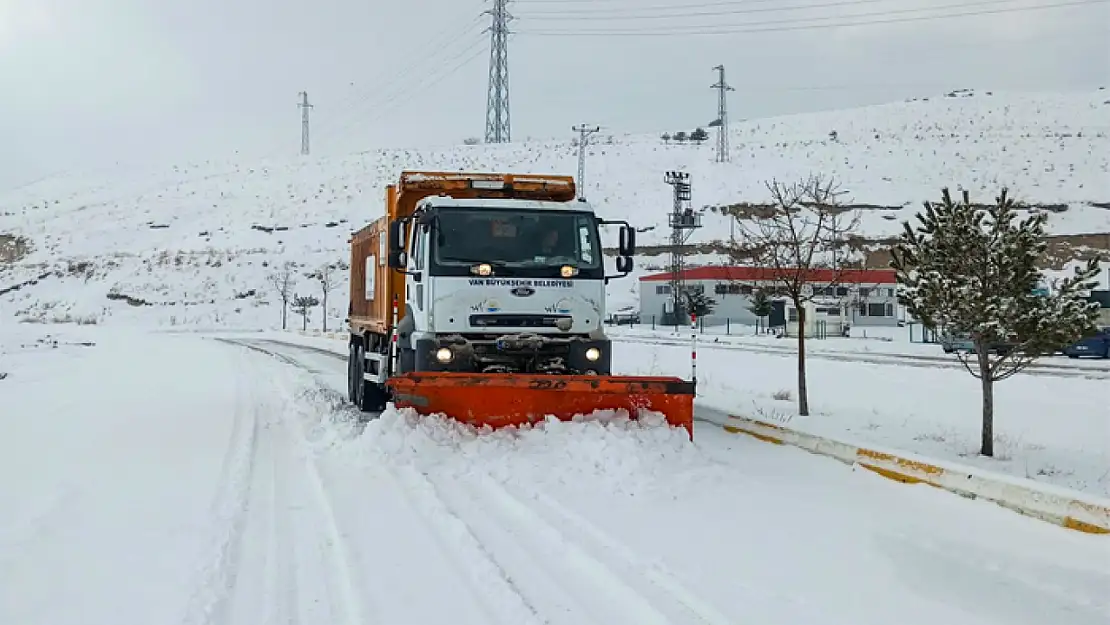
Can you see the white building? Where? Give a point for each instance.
(860, 297)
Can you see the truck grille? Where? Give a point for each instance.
(515, 321)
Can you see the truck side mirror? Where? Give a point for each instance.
(624, 264)
(396, 237)
(397, 259)
(627, 241)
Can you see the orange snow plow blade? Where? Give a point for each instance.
(502, 399)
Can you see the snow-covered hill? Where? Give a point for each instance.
(193, 243)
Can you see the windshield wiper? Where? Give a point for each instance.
(476, 261)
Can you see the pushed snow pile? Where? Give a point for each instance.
(627, 455)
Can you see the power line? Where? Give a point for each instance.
(380, 91)
(636, 5)
(434, 43)
(498, 125)
(673, 13)
(403, 96)
(746, 27)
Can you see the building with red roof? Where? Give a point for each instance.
(863, 297)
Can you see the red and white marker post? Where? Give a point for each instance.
(694, 348)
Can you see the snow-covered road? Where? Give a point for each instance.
(175, 479)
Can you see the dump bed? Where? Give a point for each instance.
(371, 279)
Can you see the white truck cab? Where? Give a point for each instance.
(504, 286)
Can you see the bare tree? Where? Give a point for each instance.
(797, 241)
(282, 281)
(325, 276)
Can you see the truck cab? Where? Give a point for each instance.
(503, 286)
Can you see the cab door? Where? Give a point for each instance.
(416, 282)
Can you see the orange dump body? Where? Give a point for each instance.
(504, 399)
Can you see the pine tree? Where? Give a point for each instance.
(700, 304)
(761, 305)
(973, 270)
(303, 305)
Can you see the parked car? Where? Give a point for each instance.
(1096, 345)
(952, 342)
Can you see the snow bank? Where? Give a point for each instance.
(626, 455)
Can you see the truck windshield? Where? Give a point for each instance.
(516, 238)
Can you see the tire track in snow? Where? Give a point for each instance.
(536, 579)
(217, 576)
(338, 576)
(503, 601)
(613, 587)
(652, 570)
(326, 579)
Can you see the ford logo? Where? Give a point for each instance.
(523, 291)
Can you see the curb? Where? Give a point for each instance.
(1057, 508)
(320, 334)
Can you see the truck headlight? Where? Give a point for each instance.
(444, 355)
(568, 272)
(593, 354)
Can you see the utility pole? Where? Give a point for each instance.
(497, 101)
(304, 106)
(584, 133)
(722, 88)
(683, 221)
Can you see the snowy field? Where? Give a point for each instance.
(192, 243)
(158, 478)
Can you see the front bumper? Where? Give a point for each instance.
(514, 353)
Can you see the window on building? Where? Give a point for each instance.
(830, 311)
(720, 289)
(864, 292)
(663, 289)
(792, 314)
(889, 309)
(841, 291)
(878, 310)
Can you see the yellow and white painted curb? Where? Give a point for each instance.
(1057, 506)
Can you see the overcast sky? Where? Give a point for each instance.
(90, 82)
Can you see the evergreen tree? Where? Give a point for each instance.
(699, 135)
(761, 305)
(699, 303)
(303, 305)
(973, 270)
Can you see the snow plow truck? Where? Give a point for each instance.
(481, 296)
